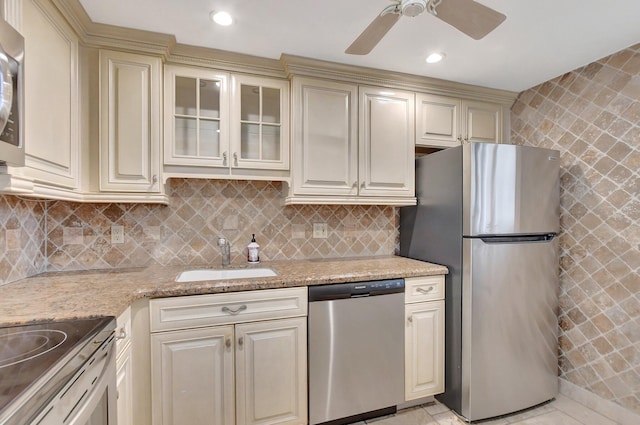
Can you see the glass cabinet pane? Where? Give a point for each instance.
(210, 138)
(250, 141)
(270, 105)
(185, 137)
(271, 142)
(249, 103)
(186, 96)
(209, 98)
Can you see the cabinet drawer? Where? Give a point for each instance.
(423, 288)
(215, 309)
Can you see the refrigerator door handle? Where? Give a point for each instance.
(547, 237)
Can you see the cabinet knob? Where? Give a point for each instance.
(410, 319)
(227, 343)
(224, 158)
(154, 178)
(240, 342)
(122, 334)
(235, 158)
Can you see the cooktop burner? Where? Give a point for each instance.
(26, 345)
(36, 360)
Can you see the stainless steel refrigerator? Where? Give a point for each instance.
(490, 213)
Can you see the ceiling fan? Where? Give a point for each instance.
(468, 16)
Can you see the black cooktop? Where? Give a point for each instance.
(37, 360)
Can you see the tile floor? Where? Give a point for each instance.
(561, 411)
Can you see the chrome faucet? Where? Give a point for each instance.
(225, 249)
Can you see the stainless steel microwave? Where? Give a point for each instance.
(11, 95)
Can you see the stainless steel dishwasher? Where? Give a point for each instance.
(356, 350)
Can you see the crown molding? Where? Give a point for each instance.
(308, 67)
(92, 34)
(225, 60)
(97, 35)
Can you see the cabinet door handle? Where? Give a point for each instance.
(227, 343)
(235, 158)
(232, 312)
(154, 179)
(410, 319)
(224, 158)
(240, 342)
(122, 334)
(425, 291)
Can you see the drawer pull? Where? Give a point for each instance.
(226, 309)
(425, 291)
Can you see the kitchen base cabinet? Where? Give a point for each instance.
(242, 358)
(271, 372)
(424, 337)
(124, 371)
(192, 376)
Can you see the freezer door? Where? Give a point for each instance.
(510, 326)
(509, 189)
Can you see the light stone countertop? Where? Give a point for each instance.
(69, 295)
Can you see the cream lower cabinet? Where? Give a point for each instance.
(124, 372)
(443, 121)
(249, 368)
(351, 144)
(424, 337)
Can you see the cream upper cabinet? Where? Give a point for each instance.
(443, 121)
(259, 123)
(325, 135)
(351, 145)
(130, 126)
(424, 336)
(482, 121)
(386, 147)
(196, 121)
(51, 132)
(437, 119)
(219, 125)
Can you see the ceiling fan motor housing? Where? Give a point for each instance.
(413, 7)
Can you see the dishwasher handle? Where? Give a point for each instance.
(338, 291)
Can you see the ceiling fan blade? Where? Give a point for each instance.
(470, 17)
(373, 33)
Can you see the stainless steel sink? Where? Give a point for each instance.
(210, 274)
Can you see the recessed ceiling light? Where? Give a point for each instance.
(435, 57)
(221, 18)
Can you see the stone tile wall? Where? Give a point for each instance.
(592, 116)
(21, 238)
(186, 232)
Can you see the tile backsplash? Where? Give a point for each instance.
(592, 116)
(21, 238)
(186, 231)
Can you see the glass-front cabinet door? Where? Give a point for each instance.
(196, 117)
(259, 123)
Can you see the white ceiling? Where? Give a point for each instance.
(540, 39)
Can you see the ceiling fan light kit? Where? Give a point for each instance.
(467, 16)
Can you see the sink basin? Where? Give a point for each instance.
(209, 274)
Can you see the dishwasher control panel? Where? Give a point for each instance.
(355, 289)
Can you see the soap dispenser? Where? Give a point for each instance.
(253, 251)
